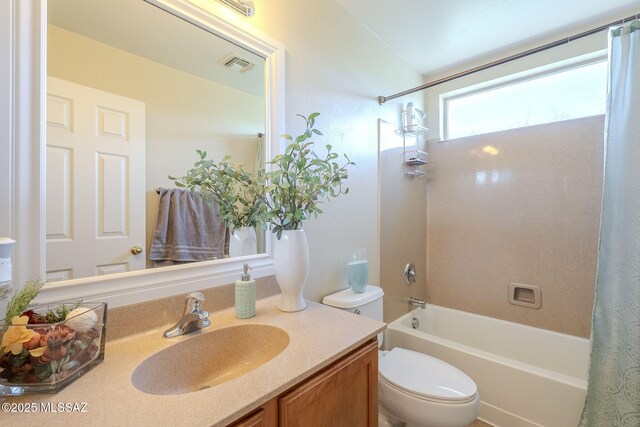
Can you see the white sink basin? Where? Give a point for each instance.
(208, 359)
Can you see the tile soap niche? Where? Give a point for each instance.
(525, 295)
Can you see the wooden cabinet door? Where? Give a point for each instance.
(343, 395)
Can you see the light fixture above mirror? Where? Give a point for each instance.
(245, 7)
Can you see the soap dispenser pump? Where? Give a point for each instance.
(245, 295)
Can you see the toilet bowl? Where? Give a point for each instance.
(414, 389)
(422, 391)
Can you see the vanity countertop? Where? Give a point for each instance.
(318, 336)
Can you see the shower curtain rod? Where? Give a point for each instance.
(383, 99)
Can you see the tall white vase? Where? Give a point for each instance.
(243, 242)
(291, 262)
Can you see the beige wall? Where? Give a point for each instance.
(183, 112)
(538, 224)
(530, 214)
(335, 66)
(403, 225)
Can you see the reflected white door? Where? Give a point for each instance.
(95, 182)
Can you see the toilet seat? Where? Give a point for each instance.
(425, 377)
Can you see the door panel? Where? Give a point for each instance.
(95, 182)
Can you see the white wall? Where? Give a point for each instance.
(5, 118)
(336, 67)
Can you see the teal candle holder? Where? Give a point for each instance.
(358, 271)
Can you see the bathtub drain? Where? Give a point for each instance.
(415, 323)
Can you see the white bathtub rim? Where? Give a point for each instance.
(493, 319)
(525, 367)
(469, 350)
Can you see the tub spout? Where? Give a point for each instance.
(417, 302)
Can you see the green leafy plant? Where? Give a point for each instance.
(239, 193)
(21, 300)
(59, 313)
(301, 180)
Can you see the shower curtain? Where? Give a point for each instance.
(613, 396)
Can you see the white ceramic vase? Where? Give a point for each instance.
(243, 242)
(291, 263)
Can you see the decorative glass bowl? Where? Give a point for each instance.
(46, 357)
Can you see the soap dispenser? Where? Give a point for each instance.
(245, 295)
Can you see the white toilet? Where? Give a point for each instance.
(414, 389)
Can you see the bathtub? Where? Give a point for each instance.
(526, 376)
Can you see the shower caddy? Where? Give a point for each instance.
(414, 158)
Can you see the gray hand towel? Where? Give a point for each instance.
(187, 228)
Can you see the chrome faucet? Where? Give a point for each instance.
(194, 317)
(417, 302)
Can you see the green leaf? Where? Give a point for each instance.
(21, 300)
(299, 179)
(287, 136)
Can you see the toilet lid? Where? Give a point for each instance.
(426, 376)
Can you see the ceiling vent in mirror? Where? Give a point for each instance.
(244, 7)
(236, 63)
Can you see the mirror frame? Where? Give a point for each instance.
(23, 171)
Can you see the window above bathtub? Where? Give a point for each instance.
(562, 91)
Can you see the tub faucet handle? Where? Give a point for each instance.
(410, 273)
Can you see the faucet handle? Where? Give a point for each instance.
(204, 319)
(199, 296)
(193, 301)
(410, 273)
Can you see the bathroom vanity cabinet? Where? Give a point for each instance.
(327, 375)
(343, 394)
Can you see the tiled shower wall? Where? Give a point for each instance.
(403, 205)
(526, 210)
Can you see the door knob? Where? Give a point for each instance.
(136, 250)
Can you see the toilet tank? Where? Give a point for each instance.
(368, 303)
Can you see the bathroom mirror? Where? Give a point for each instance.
(132, 92)
(157, 69)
